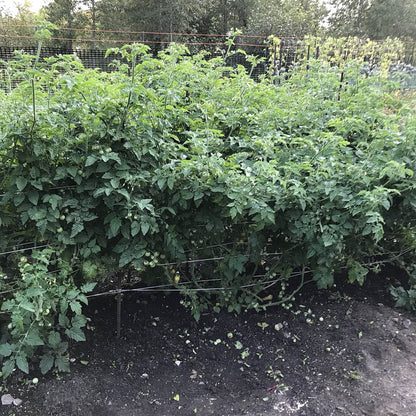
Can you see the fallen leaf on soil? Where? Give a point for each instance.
(6, 399)
(278, 327)
(406, 323)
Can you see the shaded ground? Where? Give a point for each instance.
(345, 352)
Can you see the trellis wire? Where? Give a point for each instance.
(23, 249)
(168, 288)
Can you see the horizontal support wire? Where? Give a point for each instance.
(129, 41)
(150, 33)
(142, 33)
(209, 259)
(168, 288)
(23, 249)
(55, 188)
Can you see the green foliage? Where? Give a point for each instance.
(405, 297)
(376, 19)
(43, 314)
(374, 56)
(178, 157)
(286, 18)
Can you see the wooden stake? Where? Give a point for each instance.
(119, 297)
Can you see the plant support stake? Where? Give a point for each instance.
(119, 298)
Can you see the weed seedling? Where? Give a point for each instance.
(355, 375)
(262, 325)
(245, 353)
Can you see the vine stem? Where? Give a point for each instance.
(133, 75)
(32, 81)
(33, 106)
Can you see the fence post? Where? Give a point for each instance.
(341, 81)
(411, 60)
(275, 59)
(119, 297)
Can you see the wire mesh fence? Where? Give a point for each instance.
(90, 46)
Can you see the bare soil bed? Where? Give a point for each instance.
(347, 351)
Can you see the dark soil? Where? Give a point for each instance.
(340, 352)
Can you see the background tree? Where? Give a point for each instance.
(63, 13)
(349, 17)
(153, 16)
(376, 19)
(286, 18)
(223, 15)
(87, 18)
(115, 15)
(394, 18)
(17, 30)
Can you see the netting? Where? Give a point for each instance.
(90, 47)
(96, 58)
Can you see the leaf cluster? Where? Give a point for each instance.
(44, 313)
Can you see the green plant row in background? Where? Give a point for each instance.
(178, 157)
(342, 50)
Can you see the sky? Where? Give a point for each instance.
(35, 5)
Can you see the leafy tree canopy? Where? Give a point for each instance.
(373, 18)
(286, 18)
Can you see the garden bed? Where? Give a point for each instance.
(348, 352)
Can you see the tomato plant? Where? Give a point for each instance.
(173, 159)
